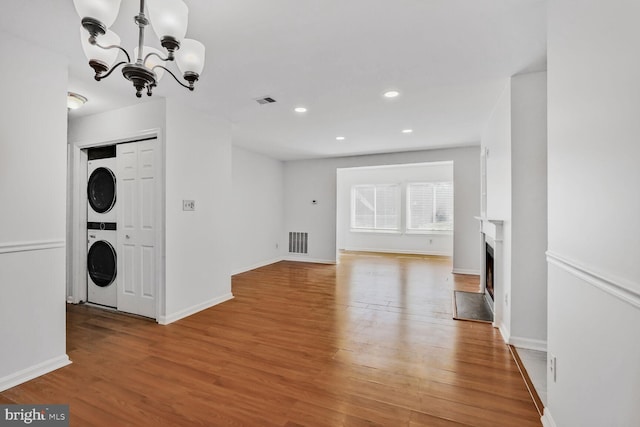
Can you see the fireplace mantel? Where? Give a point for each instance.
(491, 228)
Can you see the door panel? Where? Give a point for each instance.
(127, 277)
(148, 271)
(137, 174)
(128, 203)
(147, 215)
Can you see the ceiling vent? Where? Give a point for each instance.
(265, 100)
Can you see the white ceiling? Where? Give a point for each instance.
(449, 59)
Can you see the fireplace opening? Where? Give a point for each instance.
(489, 270)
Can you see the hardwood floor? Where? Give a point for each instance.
(368, 342)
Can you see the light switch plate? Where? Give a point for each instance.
(188, 205)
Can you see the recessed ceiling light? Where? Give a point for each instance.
(340, 138)
(300, 110)
(391, 94)
(407, 130)
(75, 100)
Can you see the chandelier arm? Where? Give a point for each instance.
(169, 58)
(115, 46)
(174, 76)
(98, 78)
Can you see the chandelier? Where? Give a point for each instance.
(169, 21)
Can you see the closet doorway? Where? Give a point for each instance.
(140, 223)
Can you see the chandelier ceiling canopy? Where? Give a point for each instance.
(169, 19)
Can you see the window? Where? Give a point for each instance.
(430, 206)
(375, 207)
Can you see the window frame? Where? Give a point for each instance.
(375, 229)
(407, 227)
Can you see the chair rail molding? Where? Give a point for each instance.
(34, 245)
(617, 287)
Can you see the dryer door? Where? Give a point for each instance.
(101, 263)
(101, 190)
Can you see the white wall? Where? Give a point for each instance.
(119, 123)
(197, 166)
(515, 141)
(436, 243)
(257, 210)
(594, 206)
(33, 124)
(496, 140)
(529, 209)
(308, 180)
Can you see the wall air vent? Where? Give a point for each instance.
(298, 242)
(265, 100)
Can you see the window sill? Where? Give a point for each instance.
(431, 232)
(361, 230)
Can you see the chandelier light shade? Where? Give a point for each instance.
(169, 19)
(190, 57)
(105, 11)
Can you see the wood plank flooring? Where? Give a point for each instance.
(369, 342)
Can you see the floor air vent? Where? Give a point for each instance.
(298, 242)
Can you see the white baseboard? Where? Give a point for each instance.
(466, 271)
(305, 259)
(528, 343)
(33, 372)
(254, 266)
(170, 318)
(401, 251)
(547, 419)
(506, 335)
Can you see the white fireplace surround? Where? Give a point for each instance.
(491, 233)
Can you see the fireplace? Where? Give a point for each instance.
(489, 270)
(492, 265)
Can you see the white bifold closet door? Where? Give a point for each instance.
(137, 173)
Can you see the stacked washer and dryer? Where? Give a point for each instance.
(102, 259)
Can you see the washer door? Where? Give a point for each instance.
(101, 263)
(101, 190)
